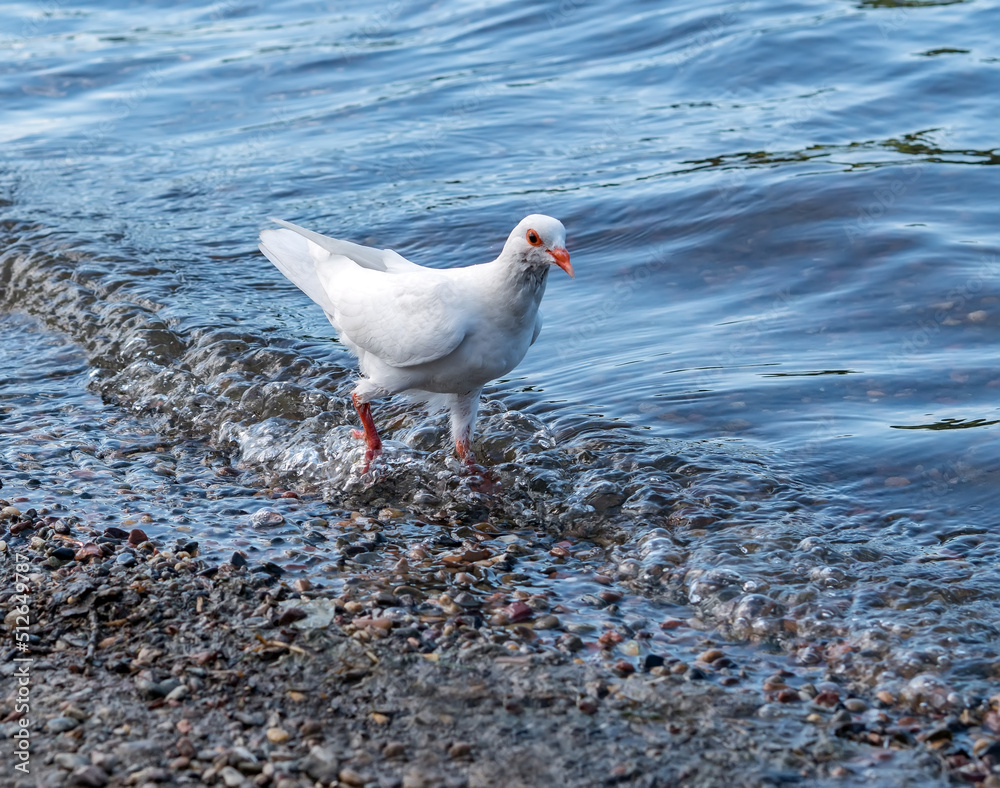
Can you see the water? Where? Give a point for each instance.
(769, 395)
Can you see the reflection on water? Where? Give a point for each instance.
(949, 424)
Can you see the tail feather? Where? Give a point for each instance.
(290, 254)
(365, 256)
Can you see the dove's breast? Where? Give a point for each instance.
(496, 313)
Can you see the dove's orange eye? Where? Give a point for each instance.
(533, 238)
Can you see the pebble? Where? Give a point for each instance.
(349, 776)
(278, 735)
(136, 537)
(856, 705)
(580, 628)
(63, 553)
(547, 622)
(827, 698)
(322, 763)
(71, 760)
(711, 655)
(88, 551)
(266, 518)
(310, 728)
(516, 612)
(61, 724)
(151, 774)
(89, 777)
(233, 778)
(9, 513)
(416, 778)
(460, 749)
(393, 749)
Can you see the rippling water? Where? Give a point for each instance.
(774, 378)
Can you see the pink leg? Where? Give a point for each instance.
(374, 445)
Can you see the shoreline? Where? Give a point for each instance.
(151, 666)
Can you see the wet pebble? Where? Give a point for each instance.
(136, 537)
(266, 518)
(653, 661)
(516, 612)
(547, 622)
(63, 553)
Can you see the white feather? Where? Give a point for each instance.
(439, 335)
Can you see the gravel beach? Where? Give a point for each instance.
(149, 665)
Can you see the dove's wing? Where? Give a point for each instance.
(379, 302)
(404, 319)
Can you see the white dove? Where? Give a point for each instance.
(438, 335)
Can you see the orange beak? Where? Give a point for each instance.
(561, 257)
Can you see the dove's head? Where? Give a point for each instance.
(539, 240)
